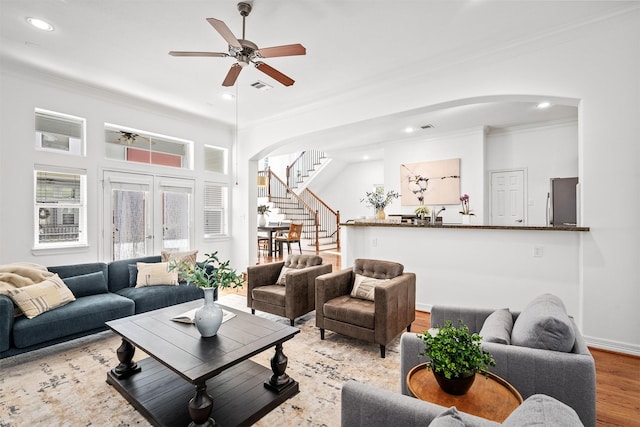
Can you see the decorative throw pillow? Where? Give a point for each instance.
(187, 257)
(497, 327)
(545, 324)
(155, 273)
(133, 275)
(282, 278)
(449, 418)
(41, 297)
(364, 287)
(87, 284)
(540, 410)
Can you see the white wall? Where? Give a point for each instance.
(546, 152)
(24, 90)
(599, 64)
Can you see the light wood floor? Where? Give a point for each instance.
(617, 375)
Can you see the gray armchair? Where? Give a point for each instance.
(379, 321)
(568, 377)
(295, 296)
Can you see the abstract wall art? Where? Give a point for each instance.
(430, 183)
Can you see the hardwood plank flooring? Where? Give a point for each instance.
(617, 375)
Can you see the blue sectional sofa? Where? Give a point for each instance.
(103, 291)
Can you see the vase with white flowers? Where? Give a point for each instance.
(262, 210)
(379, 200)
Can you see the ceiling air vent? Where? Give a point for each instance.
(426, 127)
(261, 85)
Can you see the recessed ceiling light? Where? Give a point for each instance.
(40, 24)
(408, 129)
(365, 157)
(228, 96)
(543, 105)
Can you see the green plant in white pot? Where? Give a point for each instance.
(209, 275)
(455, 356)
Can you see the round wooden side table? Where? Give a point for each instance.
(489, 397)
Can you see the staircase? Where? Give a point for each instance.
(320, 223)
(302, 169)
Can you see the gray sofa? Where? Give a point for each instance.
(103, 291)
(366, 406)
(566, 376)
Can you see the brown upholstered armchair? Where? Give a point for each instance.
(391, 310)
(295, 295)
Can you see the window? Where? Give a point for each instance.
(215, 210)
(137, 146)
(60, 211)
(215, 159)
(59, 132)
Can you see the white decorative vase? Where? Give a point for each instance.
(209, 318)
(466, 219)
(262, 221)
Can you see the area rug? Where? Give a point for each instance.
(64, 385)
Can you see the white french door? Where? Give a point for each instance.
(144, 214)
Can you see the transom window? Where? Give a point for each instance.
(133, 145)
(215, 159)
(59, 132)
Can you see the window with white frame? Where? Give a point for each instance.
(59, 132)
(138, 146)
(216, 203)
(60, 207)
(215, 159)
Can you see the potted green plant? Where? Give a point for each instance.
(455, 356)
(262, 210)
(423, 213)
(378, 200)
(208, 275)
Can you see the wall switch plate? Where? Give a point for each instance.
(374, 242)
(537, 251)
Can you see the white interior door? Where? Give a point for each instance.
(507, 198)
(144, 214)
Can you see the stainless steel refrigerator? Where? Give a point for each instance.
(562, 202)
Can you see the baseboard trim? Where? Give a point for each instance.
(615, 346)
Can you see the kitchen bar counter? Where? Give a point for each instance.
(458, 226)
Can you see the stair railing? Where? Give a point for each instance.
(300, 168)
(328, 218)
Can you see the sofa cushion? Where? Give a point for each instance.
(271, 294)
(156, 273)
(84, 314)
(377, 269)
(133, 274)
(544, 324)
(497, 327)
(87, 284)
(542, 410)
(364, 287)
(449, 418)
(149, 298)
(34, 300)
(354, 311)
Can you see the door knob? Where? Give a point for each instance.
(518, 220)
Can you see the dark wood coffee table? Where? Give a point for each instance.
(190, 379)
(489, 397)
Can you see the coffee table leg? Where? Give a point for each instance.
(200, 407)
(279, 380)
(127, 366)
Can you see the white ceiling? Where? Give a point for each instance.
(122, 45)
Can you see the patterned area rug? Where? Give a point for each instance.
(64, 385)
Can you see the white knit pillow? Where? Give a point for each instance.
(155, 273)
(364, 287)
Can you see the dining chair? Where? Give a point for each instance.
(291, 236)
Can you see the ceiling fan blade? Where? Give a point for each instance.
(286, 50)
(214, 54)
(225, 32)
(232, 75)
(275, 74)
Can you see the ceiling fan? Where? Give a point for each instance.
(245, 51)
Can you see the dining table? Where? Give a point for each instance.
(270, 229)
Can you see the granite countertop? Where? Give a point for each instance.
(387, 223)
